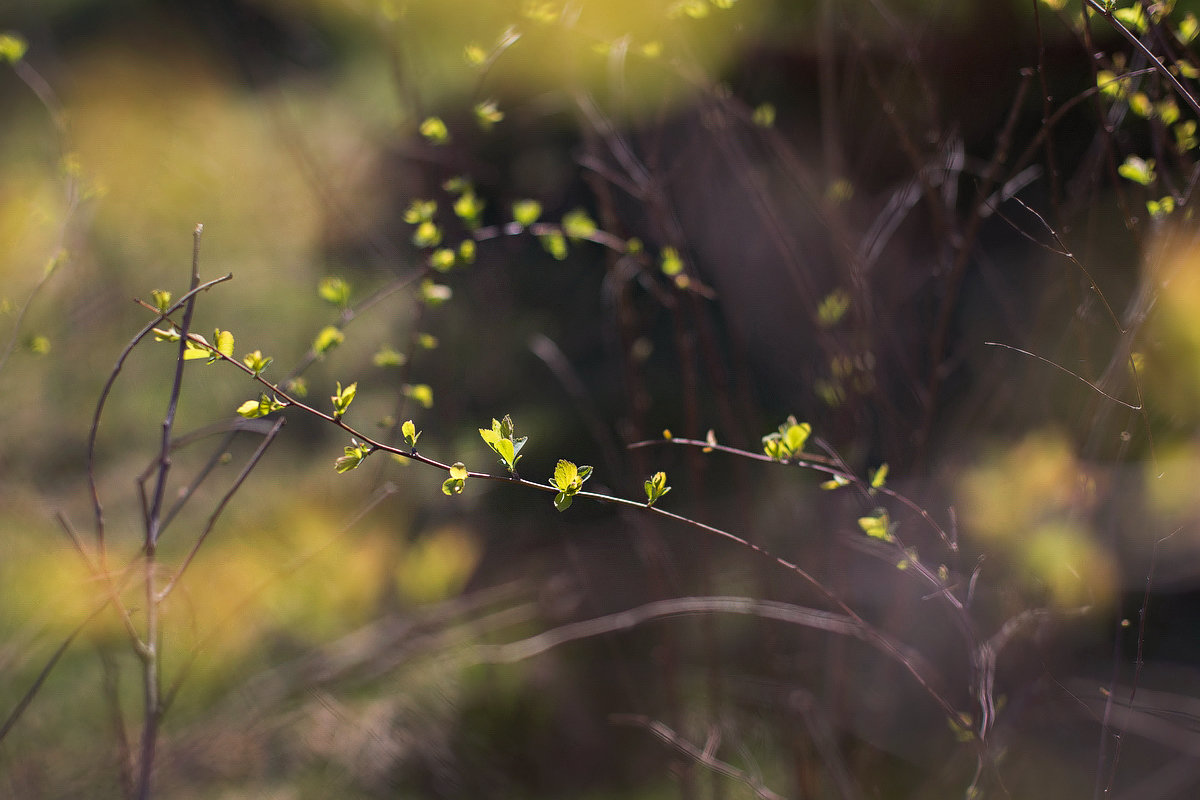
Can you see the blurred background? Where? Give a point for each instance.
(811, 208)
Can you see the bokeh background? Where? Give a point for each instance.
(860, 195)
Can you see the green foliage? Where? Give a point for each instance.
(1138, 170)
(576, 224)
(162, 299)
(788, 441)
(327, 338)
(469, 208)
(256, 362)
(419, 392)
(526, 212)
(503, 441)
(457, 480)
(487, 114)
(334, 290)
(878, 525)
(12, 47)
(353, 455)
(671, 264)
(342, 398)
(466, 251)
(387, 356)
(427, 234)
(265, 404)
(442, 259)
(419, 211)
(833, 307)
(879, 477)
(435, 131)
(555, 244)
(410, 433)
(836, 482)
(198, 347)
(434, 294)
(568, 479)
(656, 486)
(764, 115)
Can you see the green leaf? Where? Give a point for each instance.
(526, 212)
(162, 299)
(656, 487)
(466, 251)
(788, 440)
(578, 225)
(764, 116)
(878, 526)
(468, 208)
(565, 474)
(343, 398)
(457, 480)
(833, 308)
(388, 357)
(427, 234)
(672, 264)
(427, 341)
(334, 290)
(501, 438)
(420, 393)
(224, 340)
(1138, 170)
(434, 294)
(562, 501)
(474, 55)
(442, 259)
(354, 455)
(836, 482)
(253, 409)
(12, 47)
(256, 362)
(880, 475)
(487, 114)
(410, 433)
(1188, 28)
(435, 131)
(419, 211)
(171, 334)
(328, 338)
(555, 244)
(197, 347)
(38, 345)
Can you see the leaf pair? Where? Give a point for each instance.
(788, 441)
(569, 479)
(504, 443)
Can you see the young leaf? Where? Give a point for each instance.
(836, 482)
(672, 264)
(162, 299)
(224, 343)
(334, 290)
(526, 212)
(343, 398)
(501, 438)
(256, 362)
(487, 114)
(457, 480)
(877, 526)
(328, 338)
(354, 455)
(555, 244)
(253, 409)
(410, 433)
(880, 475)
(568, 479)
(419, 211)
(578, 225)
(656, 487)
(442, 259)
(387, 357)
(427, 234)
(420, 392)
(435, 131)
(1138, 170)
